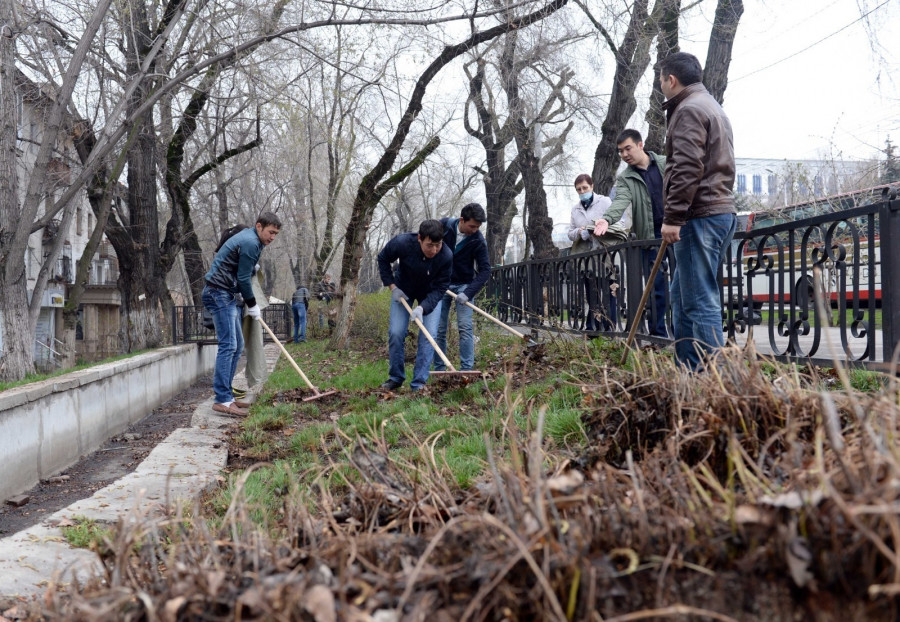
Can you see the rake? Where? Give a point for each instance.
(317, 394)
(453, 371)
(531, 342)
(644, 296)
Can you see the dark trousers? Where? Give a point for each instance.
(656, 311)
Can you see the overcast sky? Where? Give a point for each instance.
(806, 82)
(806, 79)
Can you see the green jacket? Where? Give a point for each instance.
(631, 192)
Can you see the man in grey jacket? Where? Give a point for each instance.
(639, 198)
(699, 216)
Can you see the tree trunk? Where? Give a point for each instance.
(17, 354)
(540, 226)
(632, 58)
(721, 42)
(501, 182)
(140, 280)
(667, 43)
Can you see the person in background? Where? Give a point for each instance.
(699, 217)
(300, 306)
(471, 270)
(228, 276)
(639, 190)
(256, 370)
(422, 275)
(582, 221)
(324, 293)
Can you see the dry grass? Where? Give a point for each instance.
(723, 496)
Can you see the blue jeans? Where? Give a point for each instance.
(222, 306)
(463, 323)
(299, 321)
(399, 325)
(696, 301)
(656, 317)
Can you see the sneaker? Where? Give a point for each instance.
(390, 385)
(238, 392)
(417, 390)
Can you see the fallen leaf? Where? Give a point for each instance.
(319, 603)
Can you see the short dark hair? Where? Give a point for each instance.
(473, 211)
(268, 218)
(683, 66)
(584, 177)
(431, 229)
(629, 133)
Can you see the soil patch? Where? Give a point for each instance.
(117, 457)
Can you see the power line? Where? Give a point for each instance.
(812, 45)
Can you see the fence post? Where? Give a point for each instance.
(634, 282)
(890, 275)
(174, 325)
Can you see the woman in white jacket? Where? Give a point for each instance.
(590, 208)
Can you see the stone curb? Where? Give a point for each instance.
(183, 466)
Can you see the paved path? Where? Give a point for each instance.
(830, 346)
(180, 468)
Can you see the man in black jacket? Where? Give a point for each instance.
(471, 270)
(422, 274)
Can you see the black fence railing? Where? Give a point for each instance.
(768, 288)
(187, 324)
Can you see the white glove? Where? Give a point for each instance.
(417, 313)
(254, 312)
(397, 295)
(461, 299)
(585, 234)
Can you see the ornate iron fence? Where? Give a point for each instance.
(768, 285)
(187, 324)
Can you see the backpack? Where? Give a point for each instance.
(228, 233)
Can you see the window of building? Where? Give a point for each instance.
(742, 184)
(79, 225)
(757, 184)
(773, 185)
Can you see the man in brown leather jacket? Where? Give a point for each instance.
(699, 217)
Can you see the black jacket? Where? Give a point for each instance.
(420, 278)
(471, 265)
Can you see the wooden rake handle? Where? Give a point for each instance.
(288, 356)
(429, 337)
(644, 296)
(491, 318)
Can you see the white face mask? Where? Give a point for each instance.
(587, 196)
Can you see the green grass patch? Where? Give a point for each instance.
(437, 435)
(86, 533)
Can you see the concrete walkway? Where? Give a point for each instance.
(830, 346)
(180, 468)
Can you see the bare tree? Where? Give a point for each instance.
(632, 57)
(19, 315)
(379, 180)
